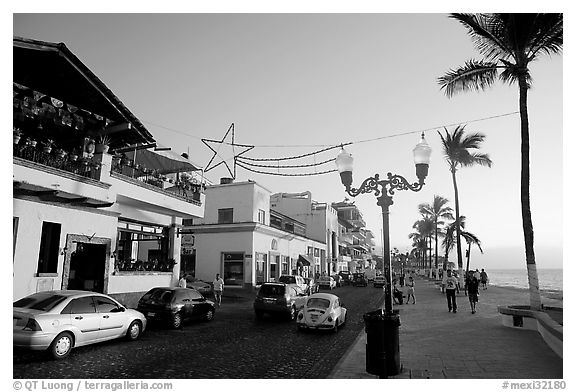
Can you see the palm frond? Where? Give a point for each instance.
(473, 75)
(548, 37)
(486, 32)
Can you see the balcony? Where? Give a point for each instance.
(99, 180)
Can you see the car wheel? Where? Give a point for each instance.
(134, 330)
(209, 315)
(177, 321)
(62, 345)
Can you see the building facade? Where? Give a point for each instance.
(87, 218)
(247, 242)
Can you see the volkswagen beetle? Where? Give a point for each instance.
(322, 311)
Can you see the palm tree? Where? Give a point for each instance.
(509, 43)
(418, 247)
(438, 211)
(470, 239)
(425, 227)
(459, 151)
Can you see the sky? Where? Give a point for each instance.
(293, 84)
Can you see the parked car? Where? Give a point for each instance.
(311, 286)
(59, 320)
(201, 286)
(346, 277)
(322, 311)
(338, 279)
(358, 279)
(327, 282)
(279, 298)
(379, 281)
(293, 279)
(175, 305)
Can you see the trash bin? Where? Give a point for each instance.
(382, 343)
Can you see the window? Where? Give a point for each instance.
(262, 217)
(195, 296)
(285, 262)
(316, 252)
(226, 215)
(233, 269)
(105, 305)
(14, 235)
(181, 296)
(310, 251)
(49, 248)
(275, 222)
(142, 248)
(79, 306)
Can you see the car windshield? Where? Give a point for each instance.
(160, 295)
(287, 279)
(271, 290)
(321, 303)
(40, 301)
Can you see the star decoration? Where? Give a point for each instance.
(223, 160)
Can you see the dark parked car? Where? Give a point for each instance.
(346, 277)
(175, 305)
(201, 286)
(279, 298)
(358, 279)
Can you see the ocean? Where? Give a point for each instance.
(548, 278)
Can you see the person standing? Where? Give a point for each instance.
(182, 282)
(410, 285)
(473, 292)
(451, 288)
(218, 288)
(483, 279)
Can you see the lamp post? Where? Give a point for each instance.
(384, 189)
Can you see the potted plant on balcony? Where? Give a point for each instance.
(47, 145)
(17, 135)
(103, 144)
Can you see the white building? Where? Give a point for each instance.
(246, 242)
(85, 220)
(321, 222)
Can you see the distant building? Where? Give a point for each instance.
(246, 241)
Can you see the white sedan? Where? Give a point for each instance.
(60, 320)
(322, 311)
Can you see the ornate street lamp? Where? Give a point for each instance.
(384, 189)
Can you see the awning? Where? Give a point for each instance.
(164, 162)
(305, 260)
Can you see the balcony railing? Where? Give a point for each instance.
(47, 155)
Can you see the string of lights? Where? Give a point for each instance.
(285, 174)
(241, 159)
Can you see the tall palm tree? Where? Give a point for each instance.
(438, 211)
(460, 151)
(470, 239)
(425, 227)
(418, 247)
(509, 43)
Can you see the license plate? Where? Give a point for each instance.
(151, 314)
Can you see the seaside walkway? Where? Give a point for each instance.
(441, 345)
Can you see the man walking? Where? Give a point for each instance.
(451, 288)
(473, 292)
(218, 288)
(483, 279)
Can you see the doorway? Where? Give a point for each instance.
(87, 267)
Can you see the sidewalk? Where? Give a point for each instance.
(437, 344)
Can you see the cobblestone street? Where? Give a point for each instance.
(233, 345)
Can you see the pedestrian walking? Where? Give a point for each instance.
(473, 292)
(410, 285)
(218, 288)
(182, 282)
(483, 279)
(451, 288)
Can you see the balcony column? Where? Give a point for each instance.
(105, 160)
(175, 241)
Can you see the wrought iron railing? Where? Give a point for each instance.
(30, 150)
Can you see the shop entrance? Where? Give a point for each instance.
(87, 267)
(85, 264)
